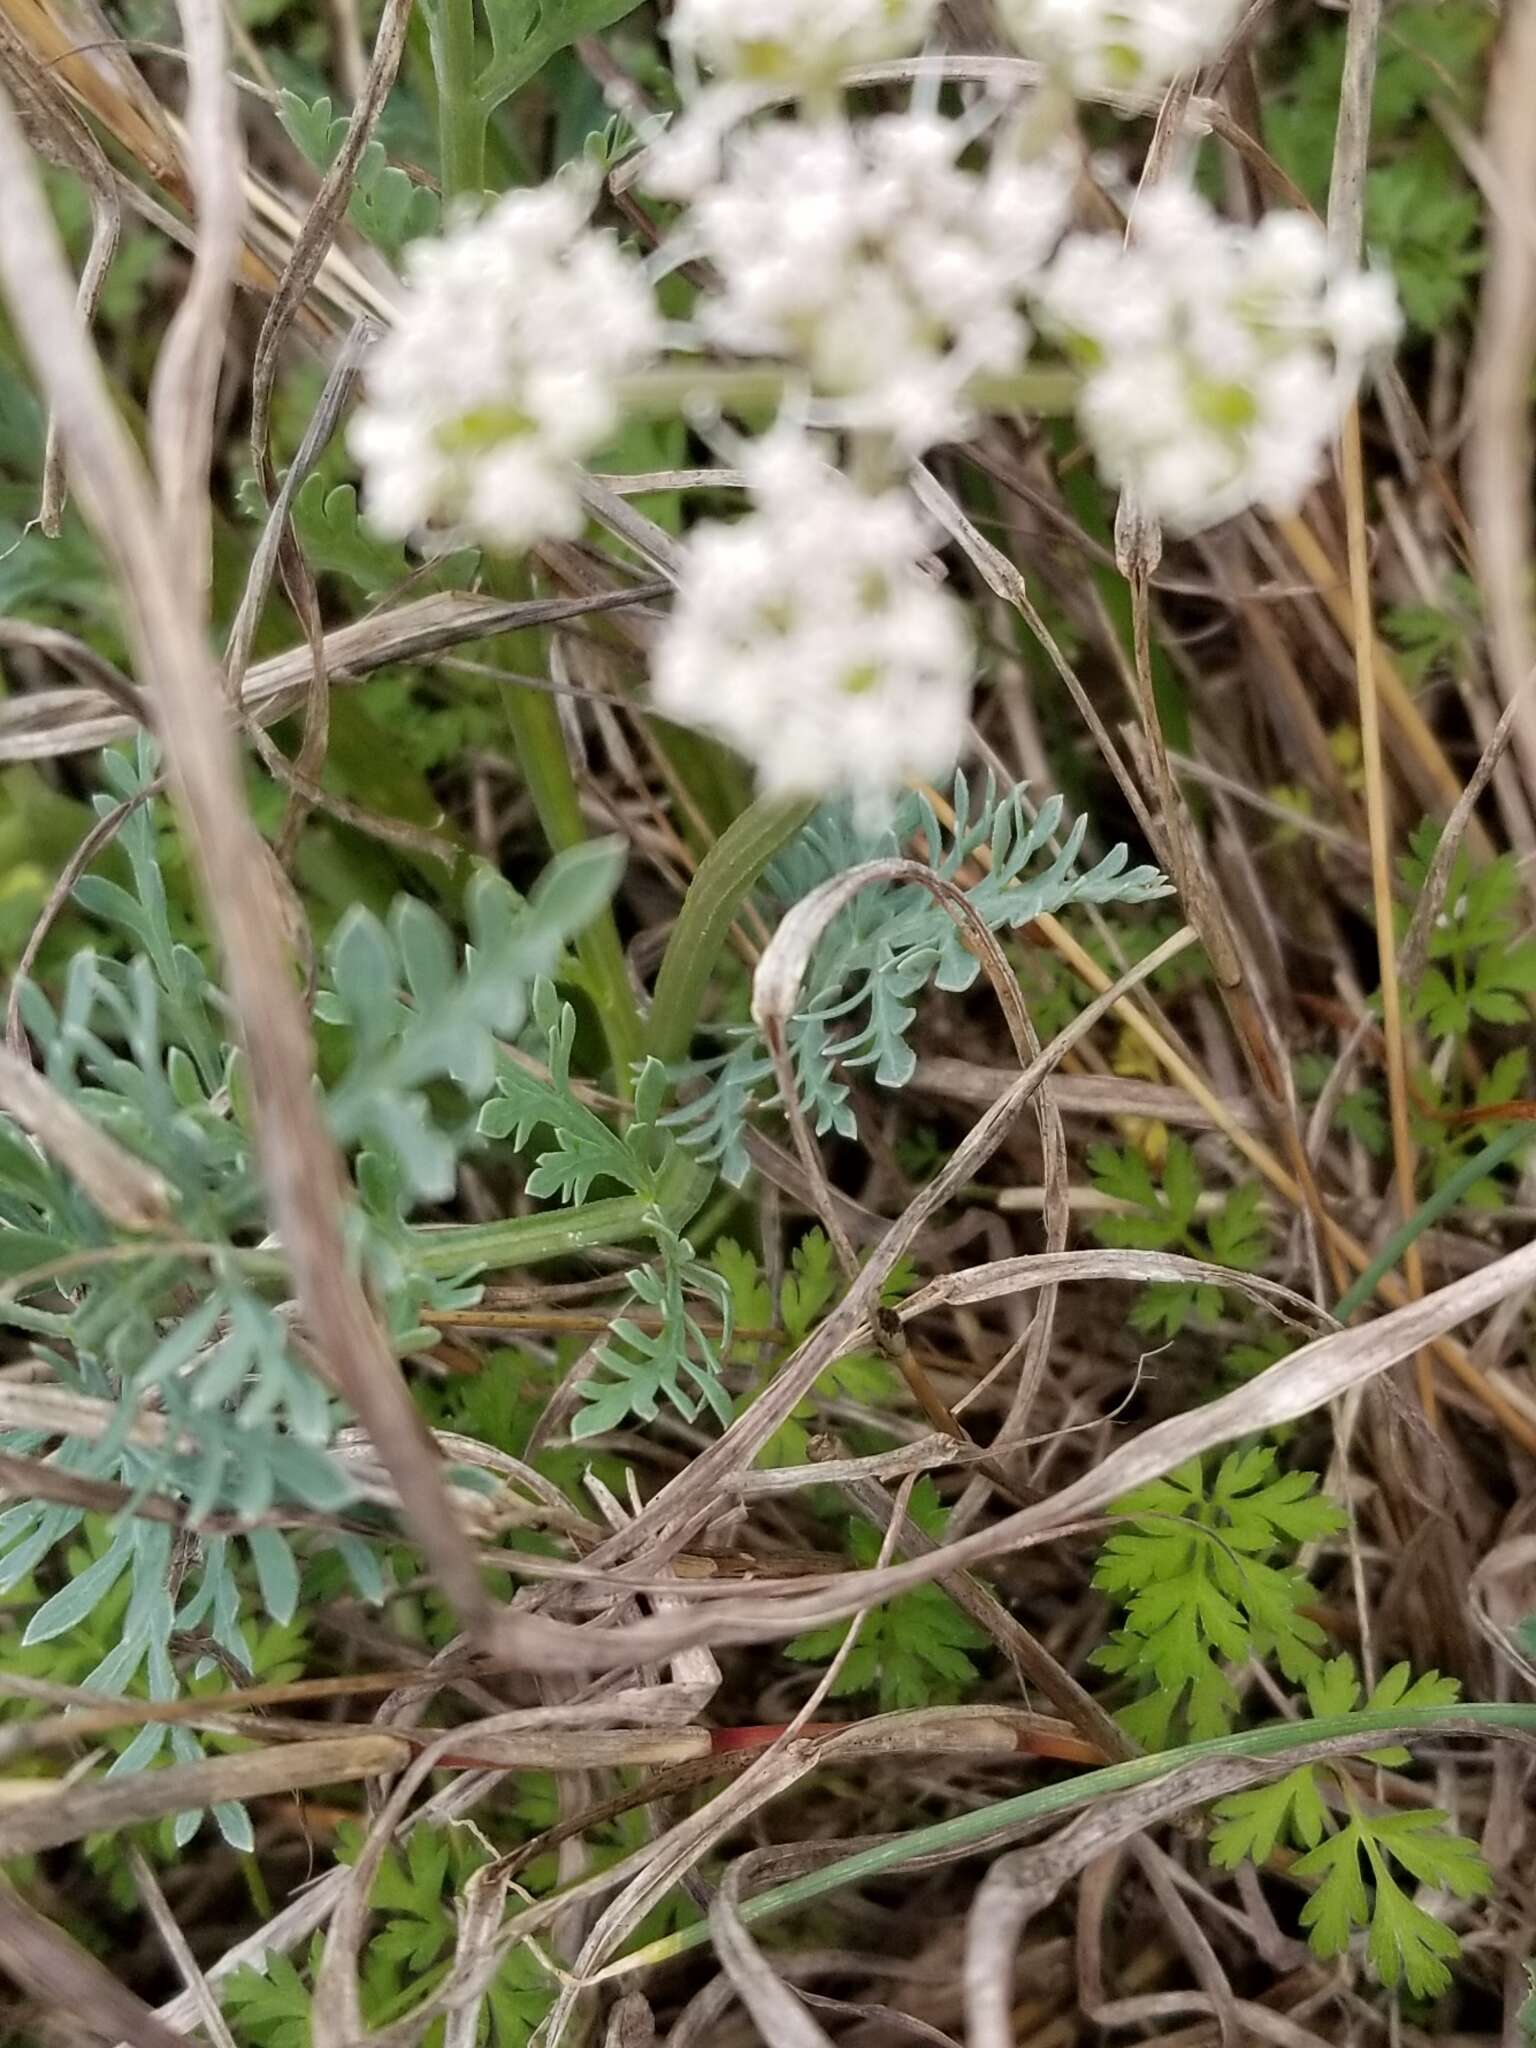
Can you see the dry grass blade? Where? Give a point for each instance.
(327, 210)
(174, 1942)
(1352, 139)
(63, 1978)
(340, 382)
(1346, 218)
(1499, 450)
(125, 1190)
(475, 1960)
(1000, 1278)
(1086, 1095)
(778, 2013)
(75, 43)
(1192, 1938)
(56, 130)
(50, 723)
(47, 1817)
(776, 990)
(1394, 1028)
(1420, 755)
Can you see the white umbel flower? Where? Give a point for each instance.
(499, 374)
(1220, 359)
(795, 42)
(871, 257)
(808, 636)
(1120, 45)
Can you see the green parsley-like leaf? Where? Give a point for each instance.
(1164, 1219)
(1527, 2013)
(913, 1650)
(1194, 1574)
(1254, 1822)
(1407, 1945)
(269, 2007)
(1239, 1232)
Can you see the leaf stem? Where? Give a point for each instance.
(680, 386)
(531, 1240)
(461, 111)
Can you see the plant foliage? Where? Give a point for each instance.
(679, 1360)
(887, 946)
(912, 1651)
(1358, 1861)
(172, 1362)
(1164, 1213)
(1197, 1575)
(1479, 968)
(387, 207)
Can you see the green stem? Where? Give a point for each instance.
(1444, 1199)
(532, 1240)
(975, 1829)
(540, 746)
(727, 875)
(675, 387)
(461, 112)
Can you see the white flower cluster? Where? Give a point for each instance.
(1133, 46)
(1219, 359)
(808, 635)
(896, 269)
(867, 254)
(498, 377)
(792, 42)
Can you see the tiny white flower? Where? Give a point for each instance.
(1362, 313)
(1120, 45)
(808, 635)
(1219, 359)
(869, 255)
(498, 377)
(797, 42)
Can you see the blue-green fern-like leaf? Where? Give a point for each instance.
(678, 1362)
(888, 945)
(172, 1361)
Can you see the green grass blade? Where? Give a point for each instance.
(1443, 1200)
(1073, 1795)
(727, 875)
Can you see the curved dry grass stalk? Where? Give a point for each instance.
(51, 1967)
(54, 1817)
(776, 994)
(779, 2015)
